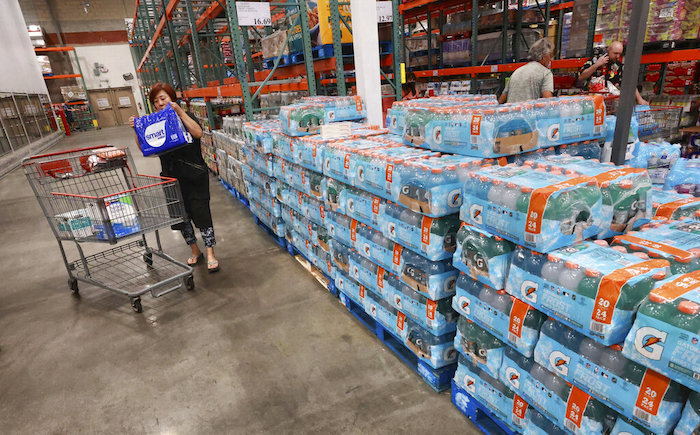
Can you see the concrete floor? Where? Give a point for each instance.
(259, 347)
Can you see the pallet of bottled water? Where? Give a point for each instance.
(396, 115)
(507, 318)
(626, 191)
(482, 256)
(532, 207)
(590, 287)
(306, 116)
(639, 393)
(666, 331)
(669, 204)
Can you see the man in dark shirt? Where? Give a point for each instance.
(603, 69)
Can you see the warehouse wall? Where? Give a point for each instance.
(118, 61)
(19, 69)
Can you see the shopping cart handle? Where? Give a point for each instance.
(58, 153)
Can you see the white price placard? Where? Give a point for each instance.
(384, 12)
(253, 13)
(335, 130)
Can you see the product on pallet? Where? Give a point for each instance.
(684, 177)
(257, 194)
(492, 393)
(629, 388)
(482, 256)
(436, 316)
(258, 135)
(267, 183)
(506, 317)
(276, 224)
(588, 149)
(625, 191)
(299, 177)
(396, 116)
(306, 116)
(666, 331)
(264, 163)
(433, 238)
(678, 242)
(668, 204)
(590, 287)
(657, 158)
(538, 424)
(690, 419)
(506, 129)
(532, 207)
(337, 157)
(480, 346)
(564, 404)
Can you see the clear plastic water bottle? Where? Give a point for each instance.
(591, 349)
(502, 301)
(487, 295)
(611, 358)
(558, 386)
(511, 196)
(535, 263)
(571, 276)
(552, 270)
(496, 192)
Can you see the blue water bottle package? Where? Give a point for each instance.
(669, 204)
(482, 255)
(161, 131)
(639, 393)
(532, 207)
(396, 115)
(684, 177)
(656, 158)
(590, 287)
(690, 419)
(666, 331)
(479, 345)
(506, 317)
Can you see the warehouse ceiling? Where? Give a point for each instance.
(77, 16)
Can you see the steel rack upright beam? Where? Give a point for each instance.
(308, 53)
(197, 57)
(337, 47)
(397, 33)
(240, 71)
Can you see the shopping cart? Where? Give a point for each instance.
(91, 195)
(656, 122)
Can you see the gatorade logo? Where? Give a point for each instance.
(437, 135)
(513, 377)
(155, 134)
(528, 290)
(463, 304)
(559, 362)
(553, 133)
(476, 213)
(454, 198)
(340, 283)
(449, 286)
(469, 384)
(397, 301)
(649, 342)
(373, 310)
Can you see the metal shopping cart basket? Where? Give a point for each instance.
(92, 195)
(656, 122)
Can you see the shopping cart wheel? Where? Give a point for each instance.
(73, 284)
(136, 305)
(189, 283)
(148, 259)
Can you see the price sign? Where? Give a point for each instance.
(253, 13)
(384, 12)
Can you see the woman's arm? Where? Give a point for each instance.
(190, 124)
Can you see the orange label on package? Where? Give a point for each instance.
(358, 103)
(375, 205)
(400, 320)
(353, 230)
(307, 244)
(576, 405)
(599, 111)
(652, 391)
(679, 286)
(425, 229)
(666, 210)
(611, 284)
(476, 125)
(517, 317)
(284, 166)
(380, 277)
(362, 291)
(328, 265)
(346, 162)
(389, 174)
(519, 407)
(678, 253)
(617, 173)
(538, 202)
(291, 216)
(313, 150)
(291, 146)
(303, 178)
(430, 307)
(301, 199)
(396, 258)
(322, 212)
(311, 231)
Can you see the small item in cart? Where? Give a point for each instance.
(161, 131)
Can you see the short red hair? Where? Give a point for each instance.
(156, 88)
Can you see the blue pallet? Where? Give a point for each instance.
(479, 414)
(236, 194)
(438, 379)
(293, 251)
(385, 47)
(286, 59)
(279, 240)
(326, 51)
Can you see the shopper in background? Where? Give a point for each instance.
(534, 79)
(187, 165)
(603, 69)
(408, 89)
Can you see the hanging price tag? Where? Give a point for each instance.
(384, 12)
(253, 13)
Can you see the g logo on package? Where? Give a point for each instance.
(391, 227)
(464, 303)
(559, 362)
(155, 134)
(361, 174)
(394, 122)
(476, 214)
(469, 384)
(450, 284)
(649, 342)
(351, 205)
(340, 283)
(528, 290)
(449, 354)
(553, 133)
(366, 249)
(513, 377)
(331, 115)
(454, 198)
(437, 135)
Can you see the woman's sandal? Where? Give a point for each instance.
(195, 260)
(213, 266)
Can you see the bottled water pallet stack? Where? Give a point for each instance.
(228, 144)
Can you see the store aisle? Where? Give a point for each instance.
(258, 347)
